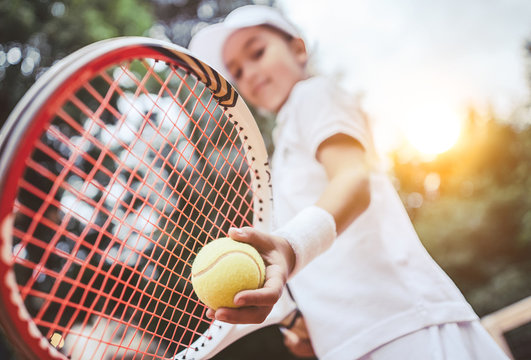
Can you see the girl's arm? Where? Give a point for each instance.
(347, 194)
(345, 197)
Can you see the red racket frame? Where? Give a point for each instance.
(35, 111)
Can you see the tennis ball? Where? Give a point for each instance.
(224, 267)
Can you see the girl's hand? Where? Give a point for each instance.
(257, 304)
(296, 336)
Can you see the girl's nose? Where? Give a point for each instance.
(249, 71)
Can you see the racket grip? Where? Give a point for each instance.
(222, 334)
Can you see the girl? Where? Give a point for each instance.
(344, 243)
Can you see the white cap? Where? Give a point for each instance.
(207, 44)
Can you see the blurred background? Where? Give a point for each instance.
(446, 84)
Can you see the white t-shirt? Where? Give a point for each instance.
(376, 282)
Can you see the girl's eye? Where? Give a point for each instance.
(257, 54)
(237, 74)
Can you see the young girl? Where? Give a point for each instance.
(365, 285)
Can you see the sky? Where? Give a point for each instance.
(420, 64)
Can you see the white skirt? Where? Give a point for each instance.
(453, 341)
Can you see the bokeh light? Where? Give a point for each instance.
(432, 129)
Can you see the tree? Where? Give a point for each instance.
(35, 34)
(472, 210)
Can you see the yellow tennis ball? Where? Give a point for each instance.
(224, 267)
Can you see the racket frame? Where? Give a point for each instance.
(26, 124)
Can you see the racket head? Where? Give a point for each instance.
(97, 235)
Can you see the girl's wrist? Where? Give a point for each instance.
(287, 253)
(309, 233)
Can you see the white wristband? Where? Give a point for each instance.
(309, 233)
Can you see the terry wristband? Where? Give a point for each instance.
(309, 233)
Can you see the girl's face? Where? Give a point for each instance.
(265, 65)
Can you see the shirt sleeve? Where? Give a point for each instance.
(325, 110)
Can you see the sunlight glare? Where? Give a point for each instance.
(432, 130)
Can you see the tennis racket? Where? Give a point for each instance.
(118, 165)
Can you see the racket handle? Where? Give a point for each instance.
(230, 333)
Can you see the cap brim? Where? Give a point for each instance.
(208, 44)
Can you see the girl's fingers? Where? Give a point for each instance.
(298, 346)
(273, 249)
(211, 314)
(268, 295)
(238, 233)
(263, 242)
(255, 305)
(260, 297)
(290, 338)
(244, 234)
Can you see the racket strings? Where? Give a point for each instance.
(138, 170)
(202, 133)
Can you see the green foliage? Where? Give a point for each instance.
(69, 25)
(476, 223)
(46, 31)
